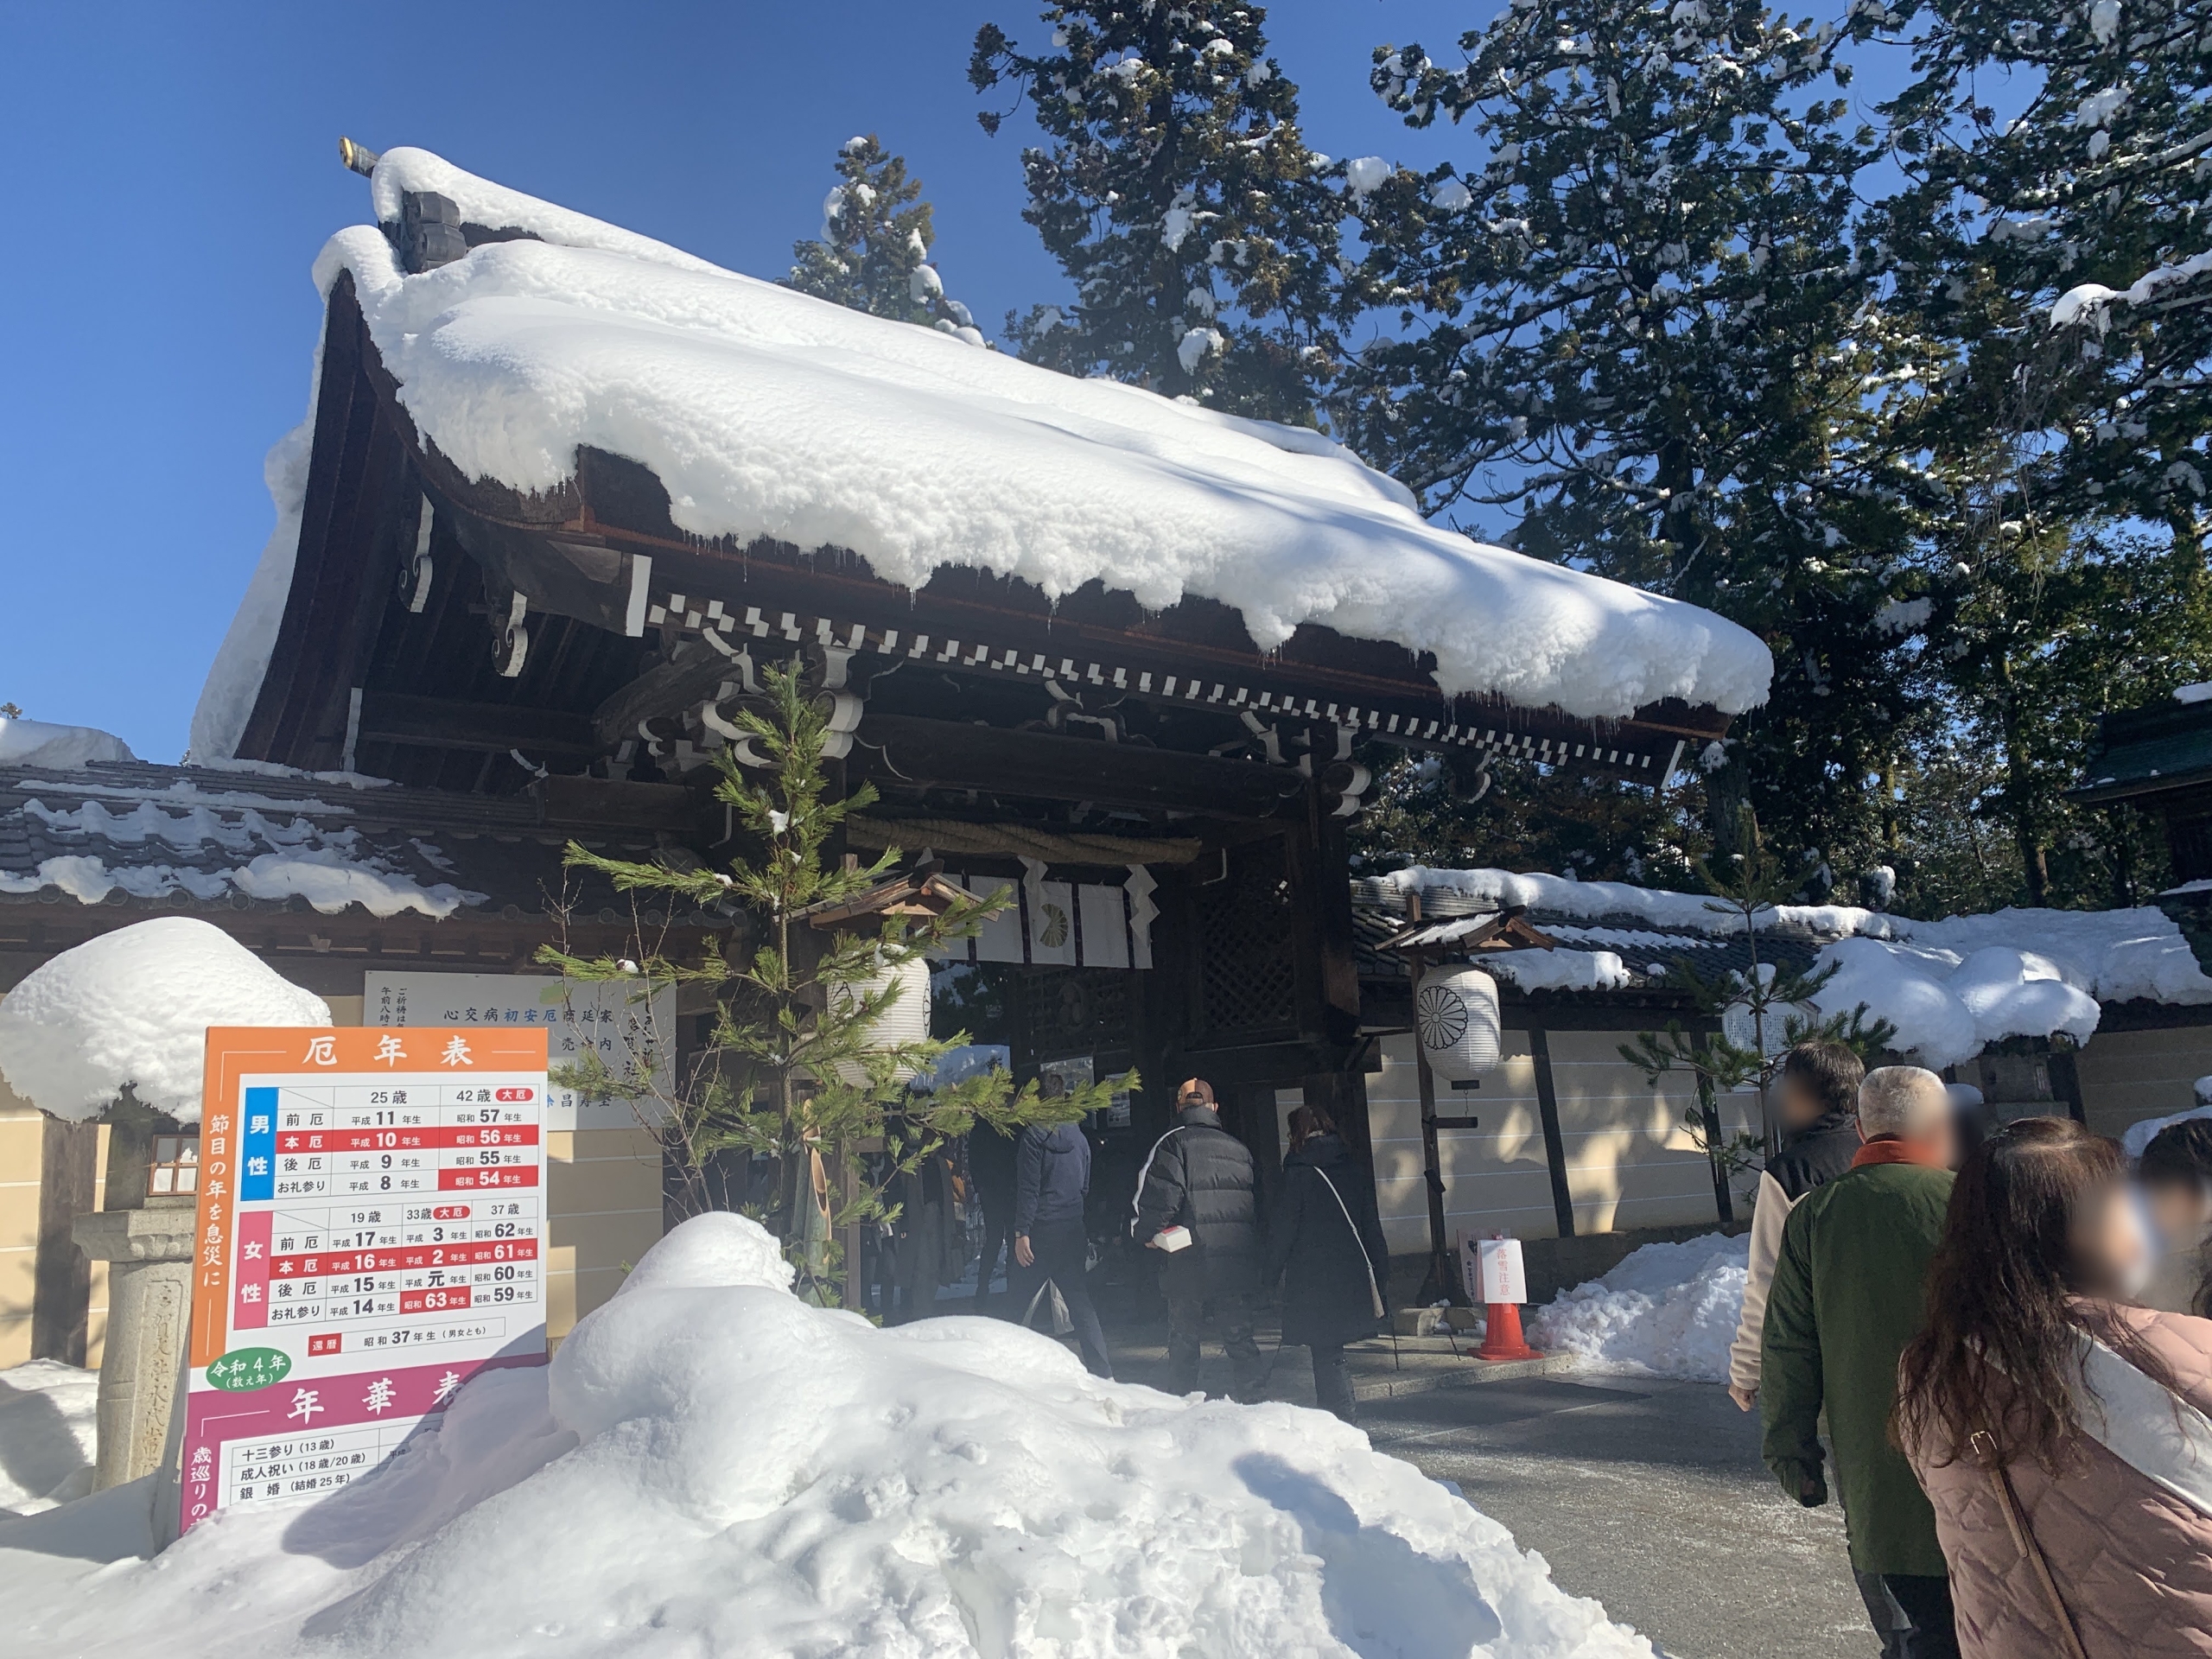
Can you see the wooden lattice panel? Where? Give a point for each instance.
(1079, 1010)
(1247, 968)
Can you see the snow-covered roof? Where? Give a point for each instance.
(1951, 987)
(160, 833)
(767, 413)
(250, 835)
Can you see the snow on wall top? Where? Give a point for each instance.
(767, 412)
(133, 1008)
(39, 743)
(1951, 987)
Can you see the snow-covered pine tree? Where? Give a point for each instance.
(2067, 246)
(1637, 319)
(1199, 231)
(2057, 254)
(874, 251)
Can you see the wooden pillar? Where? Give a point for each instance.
(1256, 1120)
(1441, 1278)
(2063, 1066)
(1723, 1201)
(61, 1288)
(1539, 1050)
(1343, 1096)
(846, 1174)
(1326, 871)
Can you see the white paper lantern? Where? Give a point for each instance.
(905, 1020)
(1455, 1016)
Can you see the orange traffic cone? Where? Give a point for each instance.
(1502, 1338)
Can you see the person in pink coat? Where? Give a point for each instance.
(2060, 1430)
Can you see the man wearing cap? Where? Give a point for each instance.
(1198, 1177)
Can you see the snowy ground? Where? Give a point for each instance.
(46, 1435)
(1668, 1310)
(710, 1466)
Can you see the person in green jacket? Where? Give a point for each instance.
(1847, 1295)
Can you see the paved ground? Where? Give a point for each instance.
(1651, 1497)
(1648, 1495)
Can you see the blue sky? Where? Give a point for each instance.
(174, 171)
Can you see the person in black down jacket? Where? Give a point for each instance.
(1051, 1177)
(1200, 1176)
(1327, 1236)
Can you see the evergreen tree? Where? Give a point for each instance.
(2050, 255)
(2051, 631)
(1198, 230)
(2065, 248)
(1639, 319)
(1453, 810)
(1752, 1018)
(874, 251)
(793, 1070)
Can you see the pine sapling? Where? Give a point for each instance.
(795, 1072)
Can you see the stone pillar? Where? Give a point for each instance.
(149, 1256)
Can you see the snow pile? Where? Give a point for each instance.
(1559, 971)
(716, 1467)
(1668, 1310)
(330, 869)
(48, 1435)
(36, 743)
(132, 1007)
(767, 412)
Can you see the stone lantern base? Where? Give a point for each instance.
(149, 1257)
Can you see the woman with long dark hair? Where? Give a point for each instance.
(2060, 1430)
(1327, 1244)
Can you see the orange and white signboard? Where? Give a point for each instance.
(371, 1234)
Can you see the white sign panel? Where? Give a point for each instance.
(1492, 1269)
(1105, 926)
(574, 1015)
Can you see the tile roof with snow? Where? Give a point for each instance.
(1951, 987)
(769, 414)
(245, 837)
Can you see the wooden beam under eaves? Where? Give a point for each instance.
(897, 750)
(443, 723)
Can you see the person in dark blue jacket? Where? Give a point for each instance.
(1052, 1177)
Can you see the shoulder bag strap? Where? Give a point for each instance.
(2023, 1539)
(1374, 1291)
